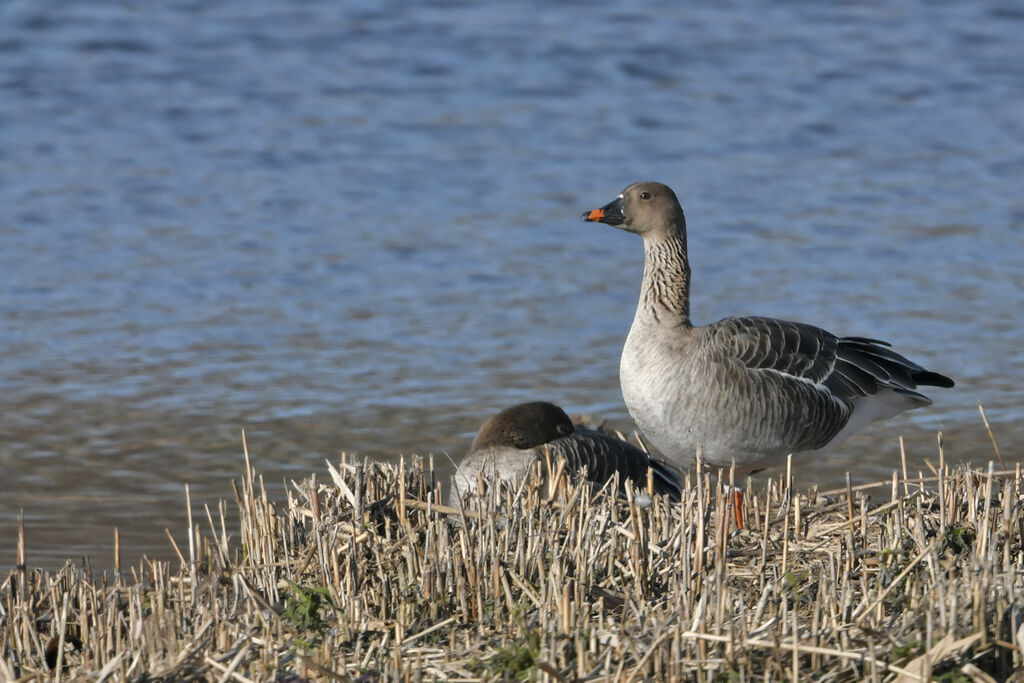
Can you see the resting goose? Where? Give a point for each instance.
(509, 442)
(745, 391)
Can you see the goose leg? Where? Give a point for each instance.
(737, 499)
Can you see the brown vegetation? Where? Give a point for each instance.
(364, 576)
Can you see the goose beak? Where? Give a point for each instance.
(609, 213)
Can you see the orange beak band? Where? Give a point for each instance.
(610, 213)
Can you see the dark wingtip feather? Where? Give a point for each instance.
(895, 369)
(865, 340)
(933, 379)
(666, 481)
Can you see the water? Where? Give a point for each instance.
(354, 226)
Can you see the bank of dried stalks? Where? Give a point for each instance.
(362, 574)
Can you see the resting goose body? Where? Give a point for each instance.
(512, 440)
(746, 391)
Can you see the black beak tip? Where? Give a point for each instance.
(610, 213)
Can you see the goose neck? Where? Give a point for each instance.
(665, 292)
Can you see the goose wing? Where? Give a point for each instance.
(847, 368)
(816, 377)
(603, 456)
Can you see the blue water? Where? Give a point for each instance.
(354, 226)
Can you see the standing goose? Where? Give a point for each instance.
(746, 391)
(511, 441)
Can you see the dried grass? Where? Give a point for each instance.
(363, 575)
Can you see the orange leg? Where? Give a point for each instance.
(737, 499)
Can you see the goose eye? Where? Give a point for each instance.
(645, 195)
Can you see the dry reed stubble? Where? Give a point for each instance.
(370, 575)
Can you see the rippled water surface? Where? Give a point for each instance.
(354, 226)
